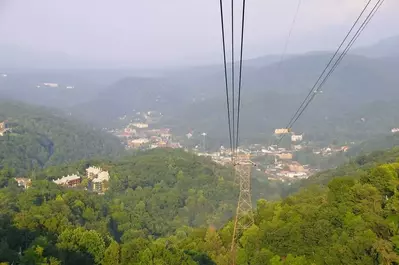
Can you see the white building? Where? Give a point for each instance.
(70, 180)
(50, 84)
(296, 138)
(140, 125)
(99, 183)
(92, 172)
(297, 147)
(139, 141)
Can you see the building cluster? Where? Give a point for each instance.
(98, 180)
(277, 163)
(55, 85)
(287, 171)
(142, 136)
(330, 150)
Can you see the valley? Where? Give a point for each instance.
(108, 164)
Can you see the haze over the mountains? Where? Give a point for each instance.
(174, 65)
(194, 97)
(154, 34)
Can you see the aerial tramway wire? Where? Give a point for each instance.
(329, 63)
(240, 73)
(313, 91)
(343, 54)
(233, 150)
(353, 40)
(289, 34)
(242, 171)
(225, 73)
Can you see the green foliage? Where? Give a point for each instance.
(40, 138)
(171, 207)
(355, 168)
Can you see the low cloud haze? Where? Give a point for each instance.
(156, 33)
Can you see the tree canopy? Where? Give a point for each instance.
(41, 137)
(172, 207)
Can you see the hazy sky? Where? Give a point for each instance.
(148, 32)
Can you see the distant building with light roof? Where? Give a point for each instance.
(296, 138)
(285, 156)
(50, 84)
(92, 172)
(98, 179)
(140, 125)
(23, 182)
(100, 183)
(69, 181)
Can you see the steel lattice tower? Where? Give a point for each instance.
(244, 215)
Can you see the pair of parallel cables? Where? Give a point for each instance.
(233, 115)
(335, 60)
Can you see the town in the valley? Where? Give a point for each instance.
(143, 132)
(275, 163)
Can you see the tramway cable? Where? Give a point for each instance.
(312, 93)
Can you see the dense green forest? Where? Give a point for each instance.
(153, 194)
(42, 137)
(169, 207)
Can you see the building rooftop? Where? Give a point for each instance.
(66, 179)
(93, 170)
(103, 176)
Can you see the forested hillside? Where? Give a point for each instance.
(166, 207)
(152, 194)
(42, 137)
(356, 166)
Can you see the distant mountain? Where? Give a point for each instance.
(131, 95)
(385, 48)
(42, 137)
(271, 94)
(27, 85)
(195, 97)
(14, 57)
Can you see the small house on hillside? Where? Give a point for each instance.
(3, 125)
(3, 128)
(23, 182)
